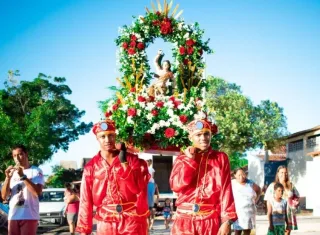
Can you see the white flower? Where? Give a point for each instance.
(149, 116)
(180, 25)
(142, 104)
(150, 106)
(139, 112)
(129, 120)
(137, 35)
(124, 107)
(186, 36)
(117, 132)
(169, 104)
(170, 112)
(162, 123)
(156, 126)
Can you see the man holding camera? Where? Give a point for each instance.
(23, 184)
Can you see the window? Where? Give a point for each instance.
(52, 196)
(295, 146)
(313, 141)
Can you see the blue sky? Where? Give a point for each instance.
(270, 48)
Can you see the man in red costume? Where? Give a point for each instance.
(115, 184)
(201, 178)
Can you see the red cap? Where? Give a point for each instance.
(106, 126)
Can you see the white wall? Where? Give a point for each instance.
(312, 193)
(297, 167)
(256, 170)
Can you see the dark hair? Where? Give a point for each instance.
(20, 146)
(278, 185)
(168, 64)
(239, 169)
(73, 188)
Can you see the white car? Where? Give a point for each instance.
(51, 207)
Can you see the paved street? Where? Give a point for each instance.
(308, 225)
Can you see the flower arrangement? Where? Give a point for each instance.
(143, 120)
(188, 47)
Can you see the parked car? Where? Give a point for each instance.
(51, 207)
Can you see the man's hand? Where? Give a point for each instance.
(190, 152)
(9, 172)
(224, 229)
(19, 169)
(123, 153)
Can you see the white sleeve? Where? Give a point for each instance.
(269, 193)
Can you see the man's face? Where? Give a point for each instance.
(201, 140)
(19, 156)
(107, 141)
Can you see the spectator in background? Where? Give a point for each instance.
(72, 201)
(246, 194)
(167, 212)
(23, 183)
(151, 191)
(277, 211)
(290, 194)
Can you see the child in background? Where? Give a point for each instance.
(167, 212)
(277, 212)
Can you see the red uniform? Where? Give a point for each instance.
(108, 187)
(205, 199)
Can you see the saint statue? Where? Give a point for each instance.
(164, 76)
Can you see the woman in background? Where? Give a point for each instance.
(72, 205)
(246, 194)
(290, 194)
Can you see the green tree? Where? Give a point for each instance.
(243, 126)
(61, 176)
(38, 114)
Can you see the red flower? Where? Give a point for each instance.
(156, 23)
(133, 89)
(176, 103)
(165, 27)
(190, 50)
(158, 13)
(182, 50)
(190, 42)
(132, 112)
(169, 132)
(159, 104)
(140, 46)
(183, 118)
(131, 51)
(185, 61)
(151, 98)
(154, 112)
(172, 98)
(200, 51)
(133, 43)
(115, 107)
(141, 99)
(214, 129)
(108, 114)
(133, 37)
(118, 101)
(125, 45)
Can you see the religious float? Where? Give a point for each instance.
(151, 109)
